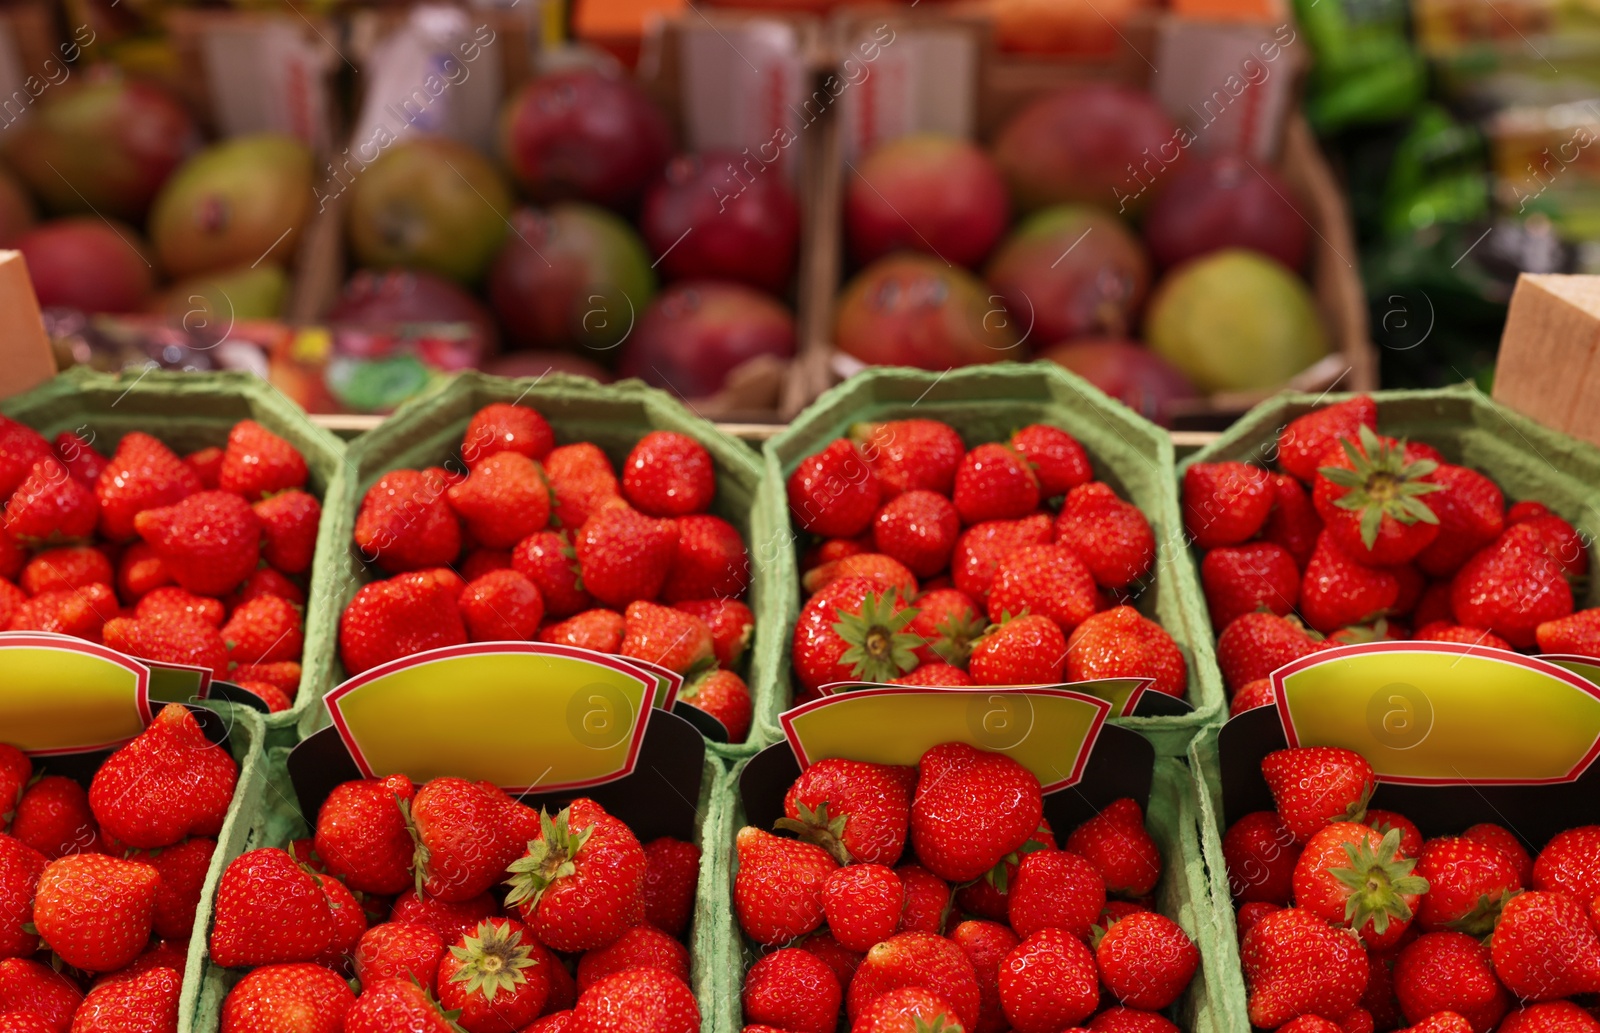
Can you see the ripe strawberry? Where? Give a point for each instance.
(462, 846)
(986, 945)
(1374, 500)
(50, 506)
(182, 870)
(1578, 633)
(919, 529)
(885, 570)
(142, 474)
(1382, 821)
(1111, 536)
(1468, 883)
(1293, 522)
(294, 998)
(673, 639)
(934, 675)
(927, 900)
(1446, 631)
(288, 530)
(501, 606)
(669, 475)
(731, 623)
(26, 986)
(502, 501)
(1116, 843)
(407, 614)
(832, 549)
(1525, 510)
(640, 1000)
(548, 559)
(404, 523)
(1563, 542)
(20, 447)
(794, 990)
(1550, 1017)
(1055, 889)
(498, 976)
(1242, 579)
(581, 480)
(349, 924)
(258, 463)
(399, 950)
(980, 549)
(1303, 443)
(363, 837)
(711, 561)
(266, 581)
(170, 601)
(971, 808)
(947, 622)
(1048, 983)
(910, 1009)
(53, 817)
(79, 456)
(1044, 580)
(1258, 693)
(843, 962)
(581, 885)
(56, 570)
(95, 911)
(269, 910)
(1122, 643)
(672, 871)
(863, 903)
(15, 771)
(397, 1004)
(1511, 587)
(1471, 512)
(79, 612)
(209, 542)
(1315, 786)
(642, 946)
(724, 696)
(450, 920)
(1570, 862)
(910, 455)
(145, 1003)
(599, 630)
(1256, 644)
(1502, 840)
(1451, 971)
(994, 483)
(1059, 462)
(1297, 964)
(917, 959)
(834, 493)
(1544, 947)
(479, 562)
(1247, 915)
(624, 555)
(499, 427)
(285, 676)
(1225, 503)
(1337, 591)
(856, 811)
(853, 630)
(207, 466)
(265, 630)
(1132, 1020)
(20, 868)
(1352, 875)
(777, 889)
(168, 783)
(1146, 960)
(1028, 650)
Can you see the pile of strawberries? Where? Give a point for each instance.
(1350, 922)
(1369, 538)
(198, 559)
(105, 883)
(456, 907)
(530, 541)
(1006, 564)
(984, 925)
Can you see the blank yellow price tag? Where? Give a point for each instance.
(65, 695)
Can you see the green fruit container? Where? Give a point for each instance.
(189, 411)
(427, 431)
(1219, 936)
(988, 403)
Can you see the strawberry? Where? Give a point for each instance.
(581, 481)
(265, 630)
(642, 946)
(731, 623)
(1446, 631)
(1048, 983)
(1351, 874)
(1293, 522)
(362, 835)
(1027, 650)
(79, 612)
(15, 771)
(1305, 440)
(95, 911)
(887, 571)
(1116, 843)
(947, 622)
(450, 920)
(853, 630)
(834, 493)
(286, 676)
(919, 529)
(50, 506)
(1132, 1020)
(462, 846)
(146, 1003)
(499, 427)
(20, 447)
(1111, 536)
(1058, 461)
(168, 783)
(672, 871)
(1044, 580)
(971, 808)
(1471, 512)
(862, 903)
(1525, 510)
(1247, 915)
(910, 1009)
(209, 542)
(1502, 840)
(673, 639)
(389, 1004)
(986, 945)
(910, 455)
(1511, 587)
(390, 619)
(404, 523)
(1381, 821)
(1374, 500)
(53, 818)
(710, 563)
(1563, 542)
(207, 466)
(288, 530)
(980, 549)
(1315, 786)
(349, 924)
(267, 581)
(170, 601)
(778, 886)
(479, 562)
(294, 998)
(29, 987)
(669, 475)
(504, 500)
(257, 463)
(1449, 971)
(835, 549)
(79, 456)
(399, 950)
(1225, 503)
(918, 959)
(581, 885)
(1240, 579)
(1146, 960)
(856, 811)
(624, 555)
(1550, 1017)
(268, 910)
(1055, 889)
(58, 569)
(1122, 643)
(548, 559)
(994, 483)
(182, 870)
(1256, 644)
(722, 694)
(927, 900)
(497, 976)
(1297, 964)
(142, 474)
(934, 675)
(1468, 883)
(1337, 591)
(794, 990)
(1544, 947)
(20, 868)
(1578, 633)
(1570, 863)
(599, 630)
(501, 606)
(640, 1000)
(843, 962)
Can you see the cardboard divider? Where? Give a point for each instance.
(987, 403)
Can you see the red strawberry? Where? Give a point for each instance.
(207, 466)
(1511, 587)
(399, 950)
(1293, 522)
(1111, 536)
(1315, 786)
(269, 910)
(168, 783)
(276, 700)
(843, 962)
(1468, 883)
(672, 871)
(910, 1009)
(1116, 843)
(1122, 643)
(640, 1000)
(462, 845)
(479, 562)
(288, 530)
(1240, 579)
(971, 808)
(624, 555)
(144, 1003)
(918, 959)
(581, 479)
(209, 542)
(853, 630)
(407, 614)
(1058, 461)
(1132, 1020)
(1297, 964)
(1578, 633)
(673, 639)
(285, 676)
(731, 624)
(1055, 889)
(986, 945)
(1527, 509)
(919, 529)
(1382, 821)
(1044, 580)
(862, 903)
(266, 581)
(258, 462)
(711, 562)
(669, 475)
(1048, 983)
(20, 868)
(581, 885)
(1502, 840)
(980, 549)
(1563, 542)
(173, 602)
(1570, 863)
(1303, 443)
(792, 989)
(397, 1004)
(498, 976)
(1374, 500)
(28, 987)
(934, 675)
(947, 622)
(1337, 590)
(363, 837)
(856, 811)
(642, 946)
(404, 523)
(1449, 971)
(349, 924)
(833, 493)
(295, 998)
(1471, 513)
(777, 889)
(600, 630)
(15, 771)
(450, 920)
(548, 559)
(927, 900)
(1446, 631)
(59, 569)
(1225, 503)
(1247, 915)
(910, 455)
(835, 549)
(500, 606)
(499, 427)
(142, 474)
(79, 456)
(265, 630)
(53, 817)
(994, 483)
(182, 869)
(95, 911)
(79, 612)
(1353, 875)
(1550, 1017)
(1146, 960)
(50, 505)
(504, 500)
(140, 571)
(1544, 947)
(1256, 644)
(885, 570)
(724, 696)
(1028, 650)
(20, 447)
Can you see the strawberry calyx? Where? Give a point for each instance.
(419, 850)
(999, 876)
(549, 859)
(956, 636)
(1378, 881)
(818, 829)
(880, 647)
(940, 1023)
(1360, 634)
(1481, 920)
(492, 960)
(1381, 483)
